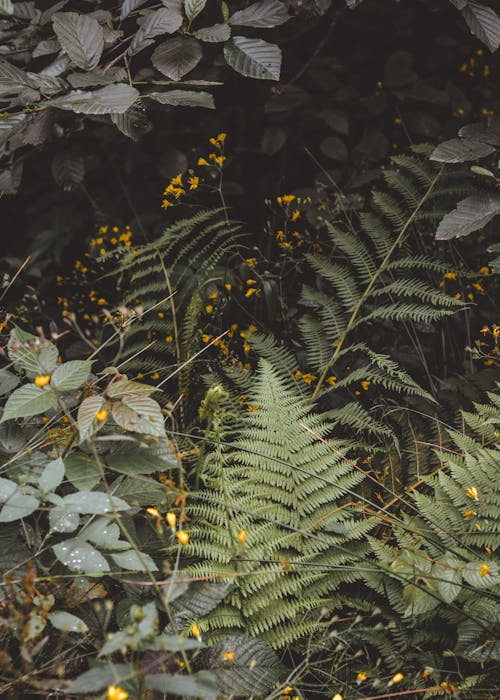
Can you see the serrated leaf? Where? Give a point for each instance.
(481, 132)
(253, 58)
(140, 491)
(149, 411)
(66, 622)
(471, 214)
(71, 375)
(28, 400)
(192, 8)
(81, 37)
(111, 99)
(484, 23)
(34, 355)
(46, 47)
(8, 381)
(254, 668)
(417, 600)
(10, 124)
(93, 502)
(86, 80)
(201, 684)
(460, 151)
(448, 577)
(123, 386)
(12, 79)
(52, 476)
(134, 123)
(214, 34)
(177, 56)
(68, 170)
(262, 14)
(162, 21)
(21, 503)
(184, 98)
(129, 6)
(63, 519)
(78, 555)
(131, 561)
(481, 574)
(82, 471)
(86, 417)
(103, 534)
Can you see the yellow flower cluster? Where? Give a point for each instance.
(475, 66)
(176, 188)
(215, 158)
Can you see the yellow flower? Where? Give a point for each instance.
(153, 511)
(209, 308)
(166, 204)
(252, 328)
(309, 378)
(397, 678)
(228, 655)
(469, 513)
(219, 159)
(251, 409)
(472, 493)
(484, 570)
(196, 632)
(495, 330)
(478, 287)
(183, 537)
(331, 380)
(155, 375)
(286, 245)
(361, 677)
(296, 215)
(485, 270)
(206, 338)
(193, 182)
(221, 137)
(102, 415)
(171, 519)
(251, 261)
(450, 275)
(484, 330)
(365, 385)
(286, 199)
(203, 161)
(250, 291)
(169, 338)
(338, 696)
(228, 286)
(242, 536)
(280, 235)
(42, 380)
(114, 692)
(177, 180)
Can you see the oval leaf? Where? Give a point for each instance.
(81, 37)
(184, 98)
(71, 375)
(263, 14)
(28, 400)
(470, 215)
(111, 99)
(253, 58)
(80, 556)
(66, 622)
(212, 35)
(177, 56)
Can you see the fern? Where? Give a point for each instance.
(282, 483)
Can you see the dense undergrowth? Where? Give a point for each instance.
(250, 418)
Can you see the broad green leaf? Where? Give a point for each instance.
(123, 386)
(253, 58)
(104, 534)
(487, 133)
(162, 21)
(28, 400)
(262, 14)
(94, 502)
(214, 34)
(81, 37)
(481, 574)
(86, 80)
(99, 677)
(448, 578)
(52, 476)
(12, 79)
(71, 375)
(152, 422)
(136, 462)
(140, 491)
(111, 99)
(471, 214)
(184, 98)
(33, 354)
(460, 151)
(62, 519)
(128, 6)
(254, 668)
(201, 684)
(10, 124)
(87, 423)
(66, 622)
(8, 381)
(7, 489)
(177, 56)
(78, 555)
(20, 504)
(417, 600)
(131, 561)
(82, 471)
(134, 123)
(192, 8)
(484, 23)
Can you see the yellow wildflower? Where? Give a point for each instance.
(171, 519)
(169, 338)
(484, 330)
(219, 159)
(280, 235)
(42, 380)
(183, 537)
(251, 291)
(450, 275)
(485, 270)
(296, 215)
(177, 180)
(155, 375)
(338, 696)
(228, 655)
(309, 378)
(228, 286)
(203, 161)
(196, 632)
(209, 308)
(361, 677)
(102, 415)
(242, 536)
(331, 380)
(206, 338)
(114, 692)
(221, 137)
(166, 204)
(469, 513)
(397, 678)
(251, 409)
(484, 570)
(365, 384)
(193, 182)
(471, 492)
